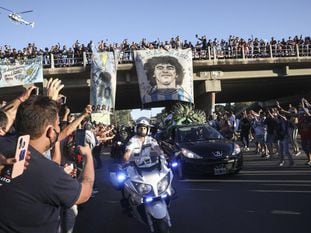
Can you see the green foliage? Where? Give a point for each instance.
(186, 114)
(181, 114)
(121, 117)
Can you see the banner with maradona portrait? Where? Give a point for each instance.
(103, 81)
(21, 72)
(164, 75)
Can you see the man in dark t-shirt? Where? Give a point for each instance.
(34, 197)
(31, 202)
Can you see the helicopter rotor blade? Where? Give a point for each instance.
(24, 12)
(5, 9)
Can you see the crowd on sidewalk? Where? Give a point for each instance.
(275, 131)
(59, 172)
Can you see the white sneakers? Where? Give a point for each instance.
(298, 153)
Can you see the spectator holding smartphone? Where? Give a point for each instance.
(9, 109)
(31, 202)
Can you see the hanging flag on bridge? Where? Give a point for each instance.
(165, 75)
(21, 72)
(103, 81)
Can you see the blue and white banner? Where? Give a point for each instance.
(23, 72)
(164, 75)
(103, 81)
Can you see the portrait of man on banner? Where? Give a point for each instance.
(103, 82)
(166, 75)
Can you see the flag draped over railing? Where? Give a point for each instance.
(22, 72)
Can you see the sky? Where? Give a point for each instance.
(114, 20)
(66, 21)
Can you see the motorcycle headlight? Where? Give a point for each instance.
(121, 177)
(236, 149)
(142, 188)
(163, 184)
(189, 154)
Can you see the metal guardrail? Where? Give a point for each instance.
(212, 53)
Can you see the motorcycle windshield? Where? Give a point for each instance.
(149, 157)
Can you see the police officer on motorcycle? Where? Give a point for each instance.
(123, 135)
(141, 137)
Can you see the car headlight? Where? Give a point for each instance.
(236, 149)
(142, 188)
(163, 183)
(189, 154)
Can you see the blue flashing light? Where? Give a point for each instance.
(148, 199)
(121, 177)
(174, 164)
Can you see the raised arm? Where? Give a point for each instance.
(73, 125)
(11, 108)
(87, 176)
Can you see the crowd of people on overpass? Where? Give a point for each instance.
(203, 48)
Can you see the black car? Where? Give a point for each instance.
(201, 149)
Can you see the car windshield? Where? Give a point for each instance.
(197, 133)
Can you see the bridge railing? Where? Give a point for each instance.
(211, 53)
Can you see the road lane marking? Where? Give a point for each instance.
(298, 185)
(279, 191)
(208, 190)
(307, 172)
(242, 181)
(285, 212)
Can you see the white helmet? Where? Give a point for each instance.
(142, 121)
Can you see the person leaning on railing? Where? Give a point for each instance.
(254, 48)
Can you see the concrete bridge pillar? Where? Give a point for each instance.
(205, 96)
(206, 103)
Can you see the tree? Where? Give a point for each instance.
(121, 117)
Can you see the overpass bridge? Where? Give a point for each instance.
(215, 81)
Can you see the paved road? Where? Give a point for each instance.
(263, 198)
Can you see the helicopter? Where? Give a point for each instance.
(17, 18)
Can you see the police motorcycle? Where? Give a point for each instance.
(146, 185)
(118, 146)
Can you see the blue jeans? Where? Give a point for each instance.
(284, 150)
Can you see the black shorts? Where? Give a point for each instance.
(306, 145)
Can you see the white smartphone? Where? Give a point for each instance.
(20, 155)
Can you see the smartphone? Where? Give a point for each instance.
(20, 155)
(35, 91)
(63, 100)
(79, 139)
